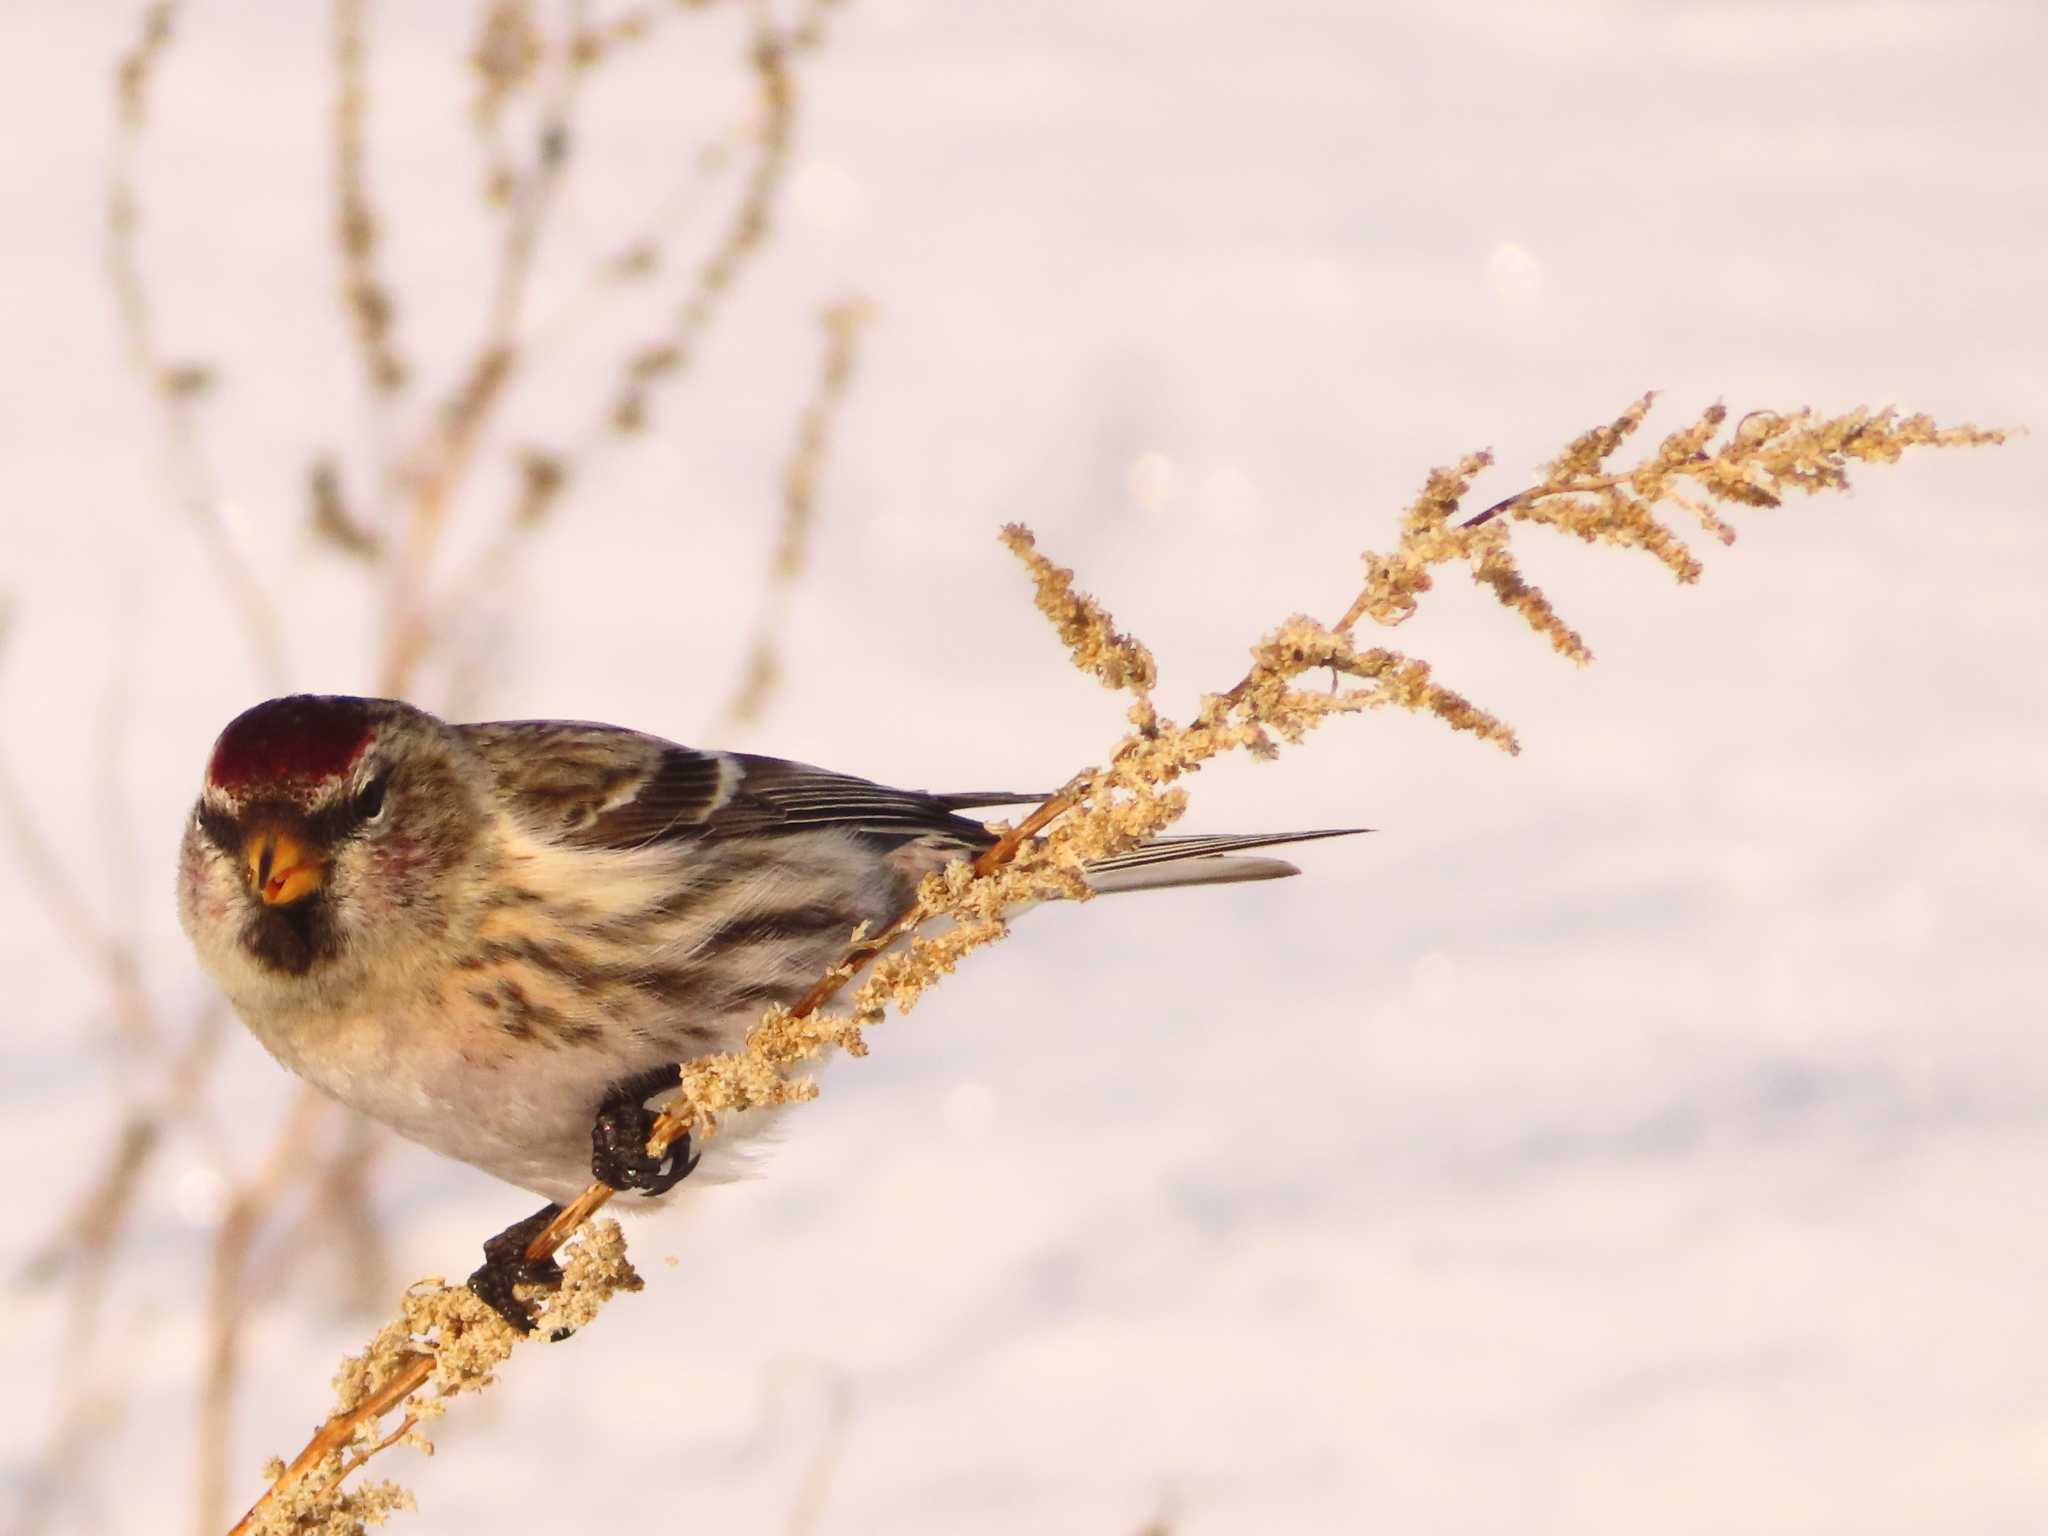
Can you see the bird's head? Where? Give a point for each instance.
(329, 838)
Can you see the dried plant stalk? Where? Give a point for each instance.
(366, 296)
(468, 1342)
(762, 669)
(1090, 636)
(246, 1213)
(546, 474)
(1109, 809)
(744, 237)
(411, 489)
(176, 386)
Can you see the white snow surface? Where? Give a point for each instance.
(1643, 1136)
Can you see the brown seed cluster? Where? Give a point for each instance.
(1092, 639)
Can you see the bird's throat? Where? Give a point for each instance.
(291, 940)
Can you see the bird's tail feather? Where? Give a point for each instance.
(1199, 860)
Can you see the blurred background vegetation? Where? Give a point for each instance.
(1666, 1096)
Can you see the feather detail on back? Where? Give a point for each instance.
(602, 787)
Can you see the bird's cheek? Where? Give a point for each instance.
(391, 877)
(204, 891)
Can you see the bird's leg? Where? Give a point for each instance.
(618, 1137)
(506, 1265)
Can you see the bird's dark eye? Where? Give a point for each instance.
(370, 798)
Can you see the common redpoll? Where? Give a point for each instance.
(502, 940)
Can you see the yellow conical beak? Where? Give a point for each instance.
(280, 868)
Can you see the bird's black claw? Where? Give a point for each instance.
(506, 1265)
(618, 1139)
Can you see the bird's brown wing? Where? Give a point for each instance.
(604, 786)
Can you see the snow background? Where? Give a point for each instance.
(1646, 1135)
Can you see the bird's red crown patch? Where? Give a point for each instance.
(303, 738)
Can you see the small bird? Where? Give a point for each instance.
(504, 940)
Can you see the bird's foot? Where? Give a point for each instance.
(618, 1138)
(506, 1265)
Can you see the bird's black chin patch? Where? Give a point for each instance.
(292, 940)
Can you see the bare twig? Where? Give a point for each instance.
(340, 1219)
(639, 259)
(439, 465)
(87, 1235)
(547, 473)
(86, 1241)
(58, 894)
(505, 56)
(79, 1427)
(93, 937)
(800, 476)
(176, 387)
(248, 1209)
(745, 234)
(84, 1249)
(366, 296)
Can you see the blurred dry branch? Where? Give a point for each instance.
(339, 1220)
(838, 1401)
(510, 344)
(98, 947)
(816, 1484)
(81, 1423)
(248, 1209)
(387, 507)
(761, 670)
(447, 1338)
(155, 1091)
(670, 355)
(176, 385)
(83, 1246)
(366, 294)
